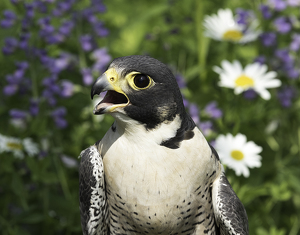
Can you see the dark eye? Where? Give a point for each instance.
(141, 80)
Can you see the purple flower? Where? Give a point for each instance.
(19, 74)
(88, 14)
(29, 7)
(51, 89)
(62, 7)
(42, 55)
(102, 59)
(282, 24)
(268, 39)
(6, 23)
(65, 5)
(284, 56)
(285, 95)
(14, 1)
(18, 114)
(25, 23)
(185, 102)
(58, 116)
(57, 12)
(293, 3)
(62, 62)
(212, 110)
(10, 89)
(87, 76)
(59, 112)
(10, 44)
(24, 38)
(102, 55)
(41, 6)
(98, 6)
(49, 96)
(9, 19)
(100, 30)
(50, 83)
(34, 107)
(90, 17)
(180, 81)
(47, 30)
(10, 15)
(213, 143)
(11, 79)
(194, 112)
(266, 12)
(279, 5)
(67, 89)
(250, 94)
(54, 65)
(295, 45)
(86, 42)
(206, 127)
(54, 38)
(60, 122)
(260, 59)
(16, 80)
(42, 154)
(22, 65)
(292, 72)
(243, 16)
(66, 27)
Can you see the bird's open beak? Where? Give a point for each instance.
(114, 98)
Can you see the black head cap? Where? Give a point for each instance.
(161, 102)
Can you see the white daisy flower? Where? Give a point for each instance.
(224, 27)
(30, 147)
(253, 76)
(17, 146)
(11, 144)
(69, 162)
(237, 153)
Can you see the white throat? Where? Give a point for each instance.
(132, 129)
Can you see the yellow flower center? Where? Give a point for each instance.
(14, 145)
(237, 155)
(244, 81)
(233, 35)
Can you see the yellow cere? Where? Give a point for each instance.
(119, 85)
(113, 78)
(237, 155)
(244, 81)
(232, 35)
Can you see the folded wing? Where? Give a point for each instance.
(92, 197)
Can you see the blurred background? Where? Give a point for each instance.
(53, 50)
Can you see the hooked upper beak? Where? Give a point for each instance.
(101, 85)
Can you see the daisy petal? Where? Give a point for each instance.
(237, 153)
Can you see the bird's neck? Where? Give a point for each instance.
(136, 131)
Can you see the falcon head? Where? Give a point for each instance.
(142, 88)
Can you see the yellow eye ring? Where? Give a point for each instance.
(139, 81)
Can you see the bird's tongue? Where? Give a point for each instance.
(111, 98)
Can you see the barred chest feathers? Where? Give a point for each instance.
(145, 186)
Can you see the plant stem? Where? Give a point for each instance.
(201, 40)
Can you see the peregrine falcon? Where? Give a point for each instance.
(153, 172)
